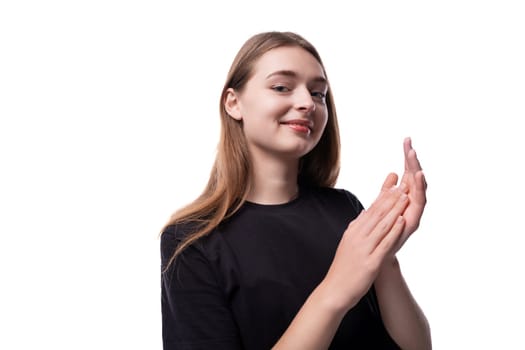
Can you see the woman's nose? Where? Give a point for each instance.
(304, 101)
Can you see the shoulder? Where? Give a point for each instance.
(172, 236)
(175, 233)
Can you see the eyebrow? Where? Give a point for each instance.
(293, 74)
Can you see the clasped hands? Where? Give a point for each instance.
(378, 232)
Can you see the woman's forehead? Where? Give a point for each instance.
(288, 61)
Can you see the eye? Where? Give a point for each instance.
(318, 94)
(280, 88)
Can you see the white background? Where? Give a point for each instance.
(109, 122)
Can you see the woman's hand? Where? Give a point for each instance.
(414, 180)
(365, 244)
(377, 233)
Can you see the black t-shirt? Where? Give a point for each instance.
(241, 286)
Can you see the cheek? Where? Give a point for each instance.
(322, 120)
(257, 111)
(272, 106)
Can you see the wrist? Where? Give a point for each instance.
(332, 300)
(390, 268)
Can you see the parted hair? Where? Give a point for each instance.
(230, 177)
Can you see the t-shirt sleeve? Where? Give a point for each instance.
(354, 201)
(195, 312)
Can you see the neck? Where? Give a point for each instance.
(274, 180)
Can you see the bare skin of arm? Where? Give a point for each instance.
(366, 254)
(402, 316)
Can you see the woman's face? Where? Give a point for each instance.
(282, 106)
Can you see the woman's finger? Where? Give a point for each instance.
(389, 242)
(390, 181)
(378, 211)
(384, 226)
(412, 163)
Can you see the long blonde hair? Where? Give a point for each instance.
(230, 177)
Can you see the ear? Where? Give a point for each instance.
(231, 104)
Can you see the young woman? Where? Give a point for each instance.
(271, 255)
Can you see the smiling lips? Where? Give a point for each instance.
(300, 125)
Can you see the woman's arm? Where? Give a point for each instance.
(369, 238)
(364, 253)
(402, 316)
(315, 324)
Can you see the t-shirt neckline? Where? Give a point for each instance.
(291, 202)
